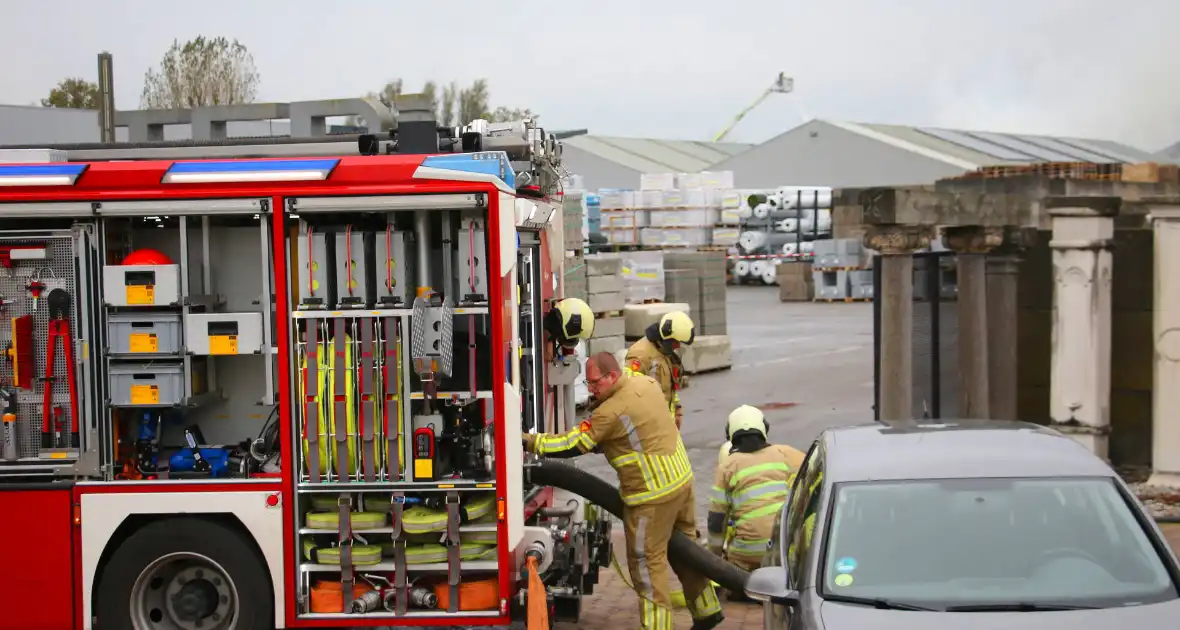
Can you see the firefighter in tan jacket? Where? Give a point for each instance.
(655, 355)
(749, 490)
(632, 427)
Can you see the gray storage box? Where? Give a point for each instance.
(141, 285)
(144, 333)
(146, 384)
(210, 334)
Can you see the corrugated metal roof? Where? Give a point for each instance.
(648, 155)
(972, 149)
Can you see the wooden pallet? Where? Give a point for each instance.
(606, 314)
(652, 301)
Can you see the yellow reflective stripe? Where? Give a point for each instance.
(706, 604)
(676, 463)
(623, 460)
(760, 512)
(749, 545)
(719, 500)
(764, 490)
(768, 467)
(547, 443)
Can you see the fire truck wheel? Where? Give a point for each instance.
(185, 574)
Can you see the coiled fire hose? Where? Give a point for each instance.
(683, 552)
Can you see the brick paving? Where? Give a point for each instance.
(613, 606)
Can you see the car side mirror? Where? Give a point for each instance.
(769, 585)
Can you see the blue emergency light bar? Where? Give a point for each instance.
(249, 171)
(40, 174)
(493, 163)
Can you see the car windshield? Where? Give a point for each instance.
(1029, 543)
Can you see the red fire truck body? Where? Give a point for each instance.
(114, 500)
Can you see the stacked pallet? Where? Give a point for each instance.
(1147, 172)
(707, 271)
(795, 281)
(604, 294)
(840, 271)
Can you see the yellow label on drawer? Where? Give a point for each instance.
(141, 295)
(223, 344)
(143, 342)
(145, 395)
(423, 469)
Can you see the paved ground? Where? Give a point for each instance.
(815, 356)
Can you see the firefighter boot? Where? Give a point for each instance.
(708, 623)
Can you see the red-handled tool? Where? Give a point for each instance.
(59, 304)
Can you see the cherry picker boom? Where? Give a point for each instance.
(298, 384)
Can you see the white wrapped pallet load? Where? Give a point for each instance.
(729, 199)
(657, 181)
(716, 179)
(726, 237)
(643, 276)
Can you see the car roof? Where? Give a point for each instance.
(955, 449)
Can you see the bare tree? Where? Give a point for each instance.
(73, 93)
(447, 107)
(505, 114)
(473, 101)
(201, 72)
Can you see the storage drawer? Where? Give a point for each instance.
(146, 384)
(144, 333)
(141, 285)
(223, 333)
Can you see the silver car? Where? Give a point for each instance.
(963, 525)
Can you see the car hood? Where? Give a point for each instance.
(842, 616)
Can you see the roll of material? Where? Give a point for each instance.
(763, 211)
(804, 197)
(753, 242)
(802, 248)
(770, 274)
(757, 267)
(786, 225)
(741, 268)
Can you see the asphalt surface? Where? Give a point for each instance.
(808, 365)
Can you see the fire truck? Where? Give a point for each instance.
(284, 385)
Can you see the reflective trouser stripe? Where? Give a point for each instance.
(706, 604)
(747, 546)
(654, 616)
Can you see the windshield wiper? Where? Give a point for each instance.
(1016, 607)
(877, 602)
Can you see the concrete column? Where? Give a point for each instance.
(1165, 411)
(896, 244)
(1003, 313)
(972, 243)
(1083, 229)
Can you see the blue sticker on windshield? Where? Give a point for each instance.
(846, 565)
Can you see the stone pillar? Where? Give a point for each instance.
(1079, 405)
(1003, 314)
(1165, 407)
(972, 243)
(896, 244)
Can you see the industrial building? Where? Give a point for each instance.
(845, 154)
(614, 162)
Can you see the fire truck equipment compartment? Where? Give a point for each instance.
(141, 285)
(681, 549)
(223, 333)
(147, 256)
(20, 352)
(144, 333)
(146, 384)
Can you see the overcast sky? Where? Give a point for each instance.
(663, 68)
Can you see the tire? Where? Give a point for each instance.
(220, 568)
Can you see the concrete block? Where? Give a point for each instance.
(606, 302)
(708, 352)
(606, 344)
(640, 316)
(830, 285)
(604, 265)
(604, 284)
(609, 327)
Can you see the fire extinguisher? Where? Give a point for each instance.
(424, 454)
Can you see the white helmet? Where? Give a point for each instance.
(746, 418)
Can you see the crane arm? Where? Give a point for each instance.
(742, 114)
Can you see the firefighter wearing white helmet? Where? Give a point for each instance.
(749, 489)
(569, 321)
(655, 355)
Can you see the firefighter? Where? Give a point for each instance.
(632, 427)
(749, 491)
(655, 355)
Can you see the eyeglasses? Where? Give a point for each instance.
(596, 381)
